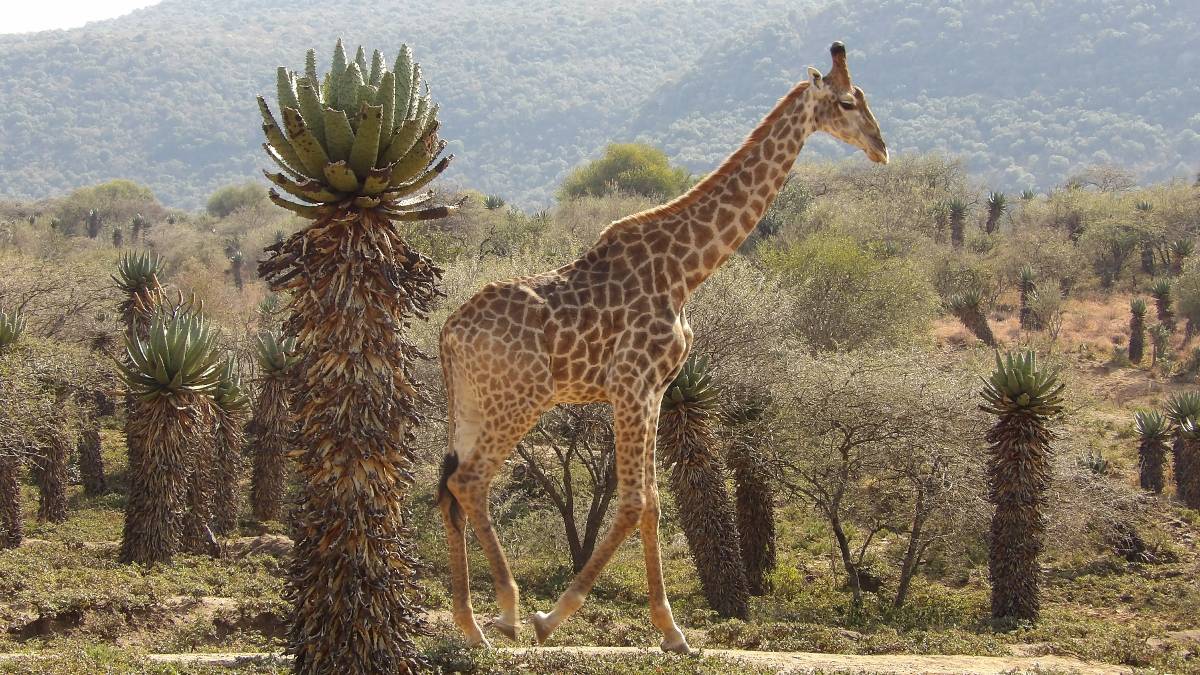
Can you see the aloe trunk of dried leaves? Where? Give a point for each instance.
(11, 529)
(91, 463)
(705, 510)
(355, 284)
(976, 322)
(226, 501)
(197, 534)
(1151, 457)
(136, 315)
(755, 503)
(171, 430)
(50, 472)
(1137, 338)
(1187, 471)
(1018, 474)
(272, 440)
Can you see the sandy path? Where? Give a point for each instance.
(784, 662)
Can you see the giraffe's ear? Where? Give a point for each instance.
(814, 76)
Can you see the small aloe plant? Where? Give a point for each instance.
(12, 324)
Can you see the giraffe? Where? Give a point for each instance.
(610, 326)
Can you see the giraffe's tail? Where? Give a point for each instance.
(450, 461)
(449, 466)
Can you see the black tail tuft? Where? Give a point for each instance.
(449, 466)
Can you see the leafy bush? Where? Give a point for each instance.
(631, 168)
(231, 198)
(846, 297)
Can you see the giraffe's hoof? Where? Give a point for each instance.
(677, 645)
(541, 626)
(507, 630)
(481, 642)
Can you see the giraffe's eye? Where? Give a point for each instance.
(846, 105)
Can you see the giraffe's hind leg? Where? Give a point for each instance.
(471, 484)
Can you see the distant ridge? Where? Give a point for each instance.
(164, 96)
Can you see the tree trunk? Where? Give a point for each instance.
(167, 431)
(91, 463)
(1187, 472)
(355, 286)
(1137, 338)
(912, 554)
(197, 535)
(11, 527)
(835, 523)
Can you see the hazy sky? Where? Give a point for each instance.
(32, 15)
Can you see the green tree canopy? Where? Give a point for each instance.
(632, 168)
(230, 198)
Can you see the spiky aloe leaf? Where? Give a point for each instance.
(12, 324)
(308, 148)
(1151, 425)
(230, 396)
(341, 177)
(365, 150)
(1017, 385)
(275, 353)
(311, 108)
(339, 135)
(137, 271)
(692, 388)
(179, 356)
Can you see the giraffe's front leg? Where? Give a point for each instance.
(660, 608)
(632, 417)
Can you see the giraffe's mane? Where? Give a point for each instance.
(688, 198)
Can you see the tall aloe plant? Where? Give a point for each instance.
(688, 443)
(232, 403)
(1024, 399)
(171, 374)
(356, 149)
(1184, 412)
(1153, 430)
(273, 428)
(137, 278)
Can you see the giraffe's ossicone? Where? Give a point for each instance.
(610, 326)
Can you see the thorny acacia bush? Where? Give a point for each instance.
(882, 445)
(39, 381)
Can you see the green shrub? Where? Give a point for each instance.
(231, 198)
(629, 168)
(849, 297)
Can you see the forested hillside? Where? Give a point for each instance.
(1026, 92)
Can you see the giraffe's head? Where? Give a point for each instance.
(841, 110)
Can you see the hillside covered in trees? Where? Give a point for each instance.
(1027, 93)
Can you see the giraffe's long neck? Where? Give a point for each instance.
(710, 222)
